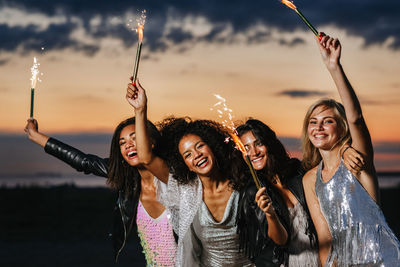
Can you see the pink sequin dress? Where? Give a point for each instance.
(156, 238)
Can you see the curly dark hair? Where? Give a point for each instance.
(228, 160)
(122, 176)
(278, 162)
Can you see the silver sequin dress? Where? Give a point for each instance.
(184, 202)
(360, 234)
(217, 243)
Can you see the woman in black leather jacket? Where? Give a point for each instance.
(124, 173)
(282, 178)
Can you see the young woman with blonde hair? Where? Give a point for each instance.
(351, 228)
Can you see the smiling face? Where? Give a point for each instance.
(323, 129)
(256, 150)
(196, 154)
(127, 144)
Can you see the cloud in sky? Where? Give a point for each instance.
(3, 61)
(54, 24)
(300, 93)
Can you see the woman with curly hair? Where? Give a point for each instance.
(351, 228)
(137, 208)
(206, 174)
(282, 191)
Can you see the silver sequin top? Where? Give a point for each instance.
(360, 234)
(184, 201)
(217, 243)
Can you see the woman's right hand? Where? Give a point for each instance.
(264, 202)
(136, 96)
(353, 160)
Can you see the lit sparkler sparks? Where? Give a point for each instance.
(293, 7)
(140, 22)
(223, 109)
(34, 80)
(224, 113)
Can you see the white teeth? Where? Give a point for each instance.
(257, 159)
(132, 153)
(201, 162)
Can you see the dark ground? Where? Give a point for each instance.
(60, 226)
(69, 226)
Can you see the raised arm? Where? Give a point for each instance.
(361, 141)
(87, 163)
(136, 97)
(330, 49)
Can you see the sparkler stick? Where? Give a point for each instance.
(139, 30)
(34, 79)
(230, 125)
(138, 52)
(293, 7)
(241, 148)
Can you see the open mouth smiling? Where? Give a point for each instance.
(131, 154)
(202, 163)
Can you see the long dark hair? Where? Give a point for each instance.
(278, 162)
(122, 176)
(227, 159)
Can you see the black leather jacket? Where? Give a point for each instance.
(253, 226)
(126, 207)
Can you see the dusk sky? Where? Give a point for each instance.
(258, 55)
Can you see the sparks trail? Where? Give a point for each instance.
(222, 109)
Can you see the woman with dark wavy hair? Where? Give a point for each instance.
(281, 177)
(137, 208)
(207, 173)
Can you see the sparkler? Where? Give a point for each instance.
(235, 138)
(139, 30)
(292, 6)
(34, 79)
(240, 147)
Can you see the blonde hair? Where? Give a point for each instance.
(311, 155)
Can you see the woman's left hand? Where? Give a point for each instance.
(330, 49)
(264, 202)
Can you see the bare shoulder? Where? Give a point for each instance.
(310, 177)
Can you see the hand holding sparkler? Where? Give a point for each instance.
(330, 49)
(32, 130)
(276, 231)
(264, 202)
(136, 97)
